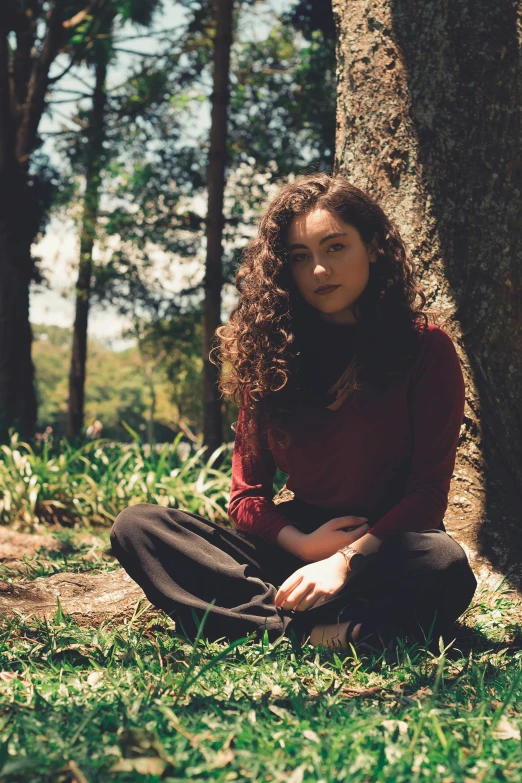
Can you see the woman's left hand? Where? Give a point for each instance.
(313, 584)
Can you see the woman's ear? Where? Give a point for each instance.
(373, 248)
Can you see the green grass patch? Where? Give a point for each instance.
(138, 702)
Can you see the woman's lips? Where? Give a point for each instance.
(328, 290)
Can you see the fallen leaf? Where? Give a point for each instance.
(279, 711)
(8, 676)
(94, 679)
(423, 692)
(77, 774)
(391, 725)
(143, 765)
(222, 758)
(505, 730)
(297, 775)
(311, 735)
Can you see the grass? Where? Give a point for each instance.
(137, 701)
(92, 483)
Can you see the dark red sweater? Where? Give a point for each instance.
(376, 452)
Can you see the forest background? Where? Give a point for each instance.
(126, 186)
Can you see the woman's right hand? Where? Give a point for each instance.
(331, 536)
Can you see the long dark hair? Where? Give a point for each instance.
(259, 346)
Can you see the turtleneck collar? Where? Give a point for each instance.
(327, 350)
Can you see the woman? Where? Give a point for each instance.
(359, 399)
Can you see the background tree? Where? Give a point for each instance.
(93, 144)
(212, 418)
(32, 35)
(428, 121)
(281, 121)
(94, 163)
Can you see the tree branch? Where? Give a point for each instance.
(80, 16)
(55, 79)
(37, 86)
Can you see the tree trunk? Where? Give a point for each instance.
(91, 203)
(24, 80)
(212, 413)
(17, 395)
(428, 122)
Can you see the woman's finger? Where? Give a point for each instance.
(358, 532)
(296, 596)
(348, 522)
(305, 600)
(286, 588)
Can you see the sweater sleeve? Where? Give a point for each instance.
(437, 412)
(251, 507)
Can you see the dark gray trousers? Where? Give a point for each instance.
(416, 585)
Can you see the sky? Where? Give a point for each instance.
(59, 248)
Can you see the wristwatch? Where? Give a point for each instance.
(354, 559)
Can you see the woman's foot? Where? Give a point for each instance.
(336, 636)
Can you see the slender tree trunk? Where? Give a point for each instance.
(428, 122)
(212, 412)
(151, 414)
(91, 202)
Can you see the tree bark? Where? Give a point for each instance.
(22, 102)
(428, 122)
(212, 412)
(17, 394)
(91, 203)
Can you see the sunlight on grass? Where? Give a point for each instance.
(140, 700)
(91, 484)
(137, 701)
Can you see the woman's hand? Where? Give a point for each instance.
(312, 584)
(331, 537)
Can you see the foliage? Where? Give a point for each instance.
(118, 387)
(94, 482)
(281, 121)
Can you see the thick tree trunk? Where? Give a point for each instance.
(91, 203)
(212, 413)
(24, 79)
(428, 122)
(17, 396)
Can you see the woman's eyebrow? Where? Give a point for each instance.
(321, 241)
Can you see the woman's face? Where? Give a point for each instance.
(324, 250)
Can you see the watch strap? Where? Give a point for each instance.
(354, 559)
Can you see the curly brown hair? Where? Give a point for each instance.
(262, 339)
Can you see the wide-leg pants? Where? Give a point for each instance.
(416, 585)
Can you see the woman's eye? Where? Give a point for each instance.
(297, 256)
(336, 244)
